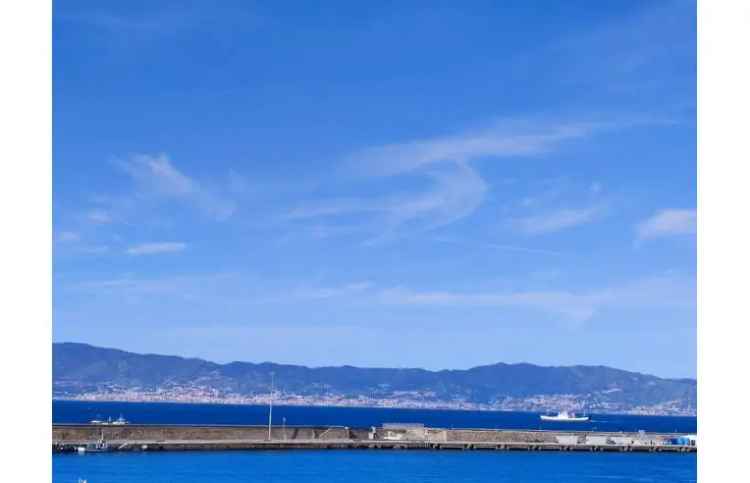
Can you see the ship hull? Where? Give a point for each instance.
(565, 420)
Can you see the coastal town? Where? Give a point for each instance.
(397, 399)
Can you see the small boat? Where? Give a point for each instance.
(564, 416)
(98, 447)
(101, 422)
(119, 421)
(109, 422)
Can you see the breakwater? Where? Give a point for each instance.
(136, 437)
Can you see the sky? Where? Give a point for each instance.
(390, 184)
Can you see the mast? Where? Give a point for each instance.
(270, 408)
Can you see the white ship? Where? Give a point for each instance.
(564, 416)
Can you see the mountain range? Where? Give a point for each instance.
(82, 371)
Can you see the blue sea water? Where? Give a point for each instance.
(363, 466)
(373, 466)
(170, 413)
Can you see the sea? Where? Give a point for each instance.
(364, 466)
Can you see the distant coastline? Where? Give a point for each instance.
(85, 372)
(385, 404)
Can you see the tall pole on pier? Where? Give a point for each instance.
(270, 408)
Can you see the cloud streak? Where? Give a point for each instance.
(318, 293)
(575, 307)
(557, 220)
(570, 307)
(153, 23)
(668, 222)
(156, 248)
(457, 189)
(501, 140)
(216, 21)
(68, 237)
(499, 246)
(156, 176)
(99, 217)
(456, 192)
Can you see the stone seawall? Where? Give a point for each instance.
(87, 432)
(134, 437)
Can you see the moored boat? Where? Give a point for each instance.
(98, 447)
(119, 421)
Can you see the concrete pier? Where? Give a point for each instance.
(137, 437)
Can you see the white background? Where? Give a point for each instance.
(723, 239)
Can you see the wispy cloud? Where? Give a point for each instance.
(668, 222)
(499, 246)
(148, 24)
(336, 207)
(331, 292)
(155, 175)
(177, 285)
(94, 249)
(156, 248)
(564, 305)
(68, 237)
(457, 188)
(638, 55)
(507, 139)
(99, 216)
(575, 307)
(456, 192)
(72, 243)
(557, 220)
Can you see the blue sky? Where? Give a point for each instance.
(431, 184)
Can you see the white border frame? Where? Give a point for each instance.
(25, 242)
(723, 238)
